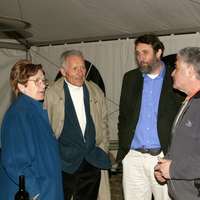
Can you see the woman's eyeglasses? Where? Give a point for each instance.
(38, 81)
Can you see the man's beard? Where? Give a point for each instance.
(151, 66)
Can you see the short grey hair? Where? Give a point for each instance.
(191, 56)
(67, 54)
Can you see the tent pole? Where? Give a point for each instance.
(28, 55)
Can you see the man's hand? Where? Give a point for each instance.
(161, 170)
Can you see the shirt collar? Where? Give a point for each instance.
(72, 87)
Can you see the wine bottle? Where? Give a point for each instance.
(22, 193)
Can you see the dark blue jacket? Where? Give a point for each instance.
(29, 148)
(73, 146)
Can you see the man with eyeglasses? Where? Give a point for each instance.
(78, 114)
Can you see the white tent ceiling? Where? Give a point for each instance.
(71, 21)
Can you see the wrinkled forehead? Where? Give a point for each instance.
(75, 61)
(142, 48)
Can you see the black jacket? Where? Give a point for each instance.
(130, 104)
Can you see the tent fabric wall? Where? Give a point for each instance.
(111, 58)
(8, 58)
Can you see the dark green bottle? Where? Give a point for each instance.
(22, 193)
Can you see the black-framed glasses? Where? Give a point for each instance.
(38, 81)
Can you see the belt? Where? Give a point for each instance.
(153, 152)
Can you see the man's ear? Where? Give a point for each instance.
(191, 70)
(62, 70)
(158, 54)
(21, 87)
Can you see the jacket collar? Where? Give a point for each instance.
(32, 102)
(196, 95)
(58, 86)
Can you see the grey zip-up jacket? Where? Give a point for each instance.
(185, 152)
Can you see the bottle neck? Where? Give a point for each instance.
(21, 183)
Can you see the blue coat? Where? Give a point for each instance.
(29, 148)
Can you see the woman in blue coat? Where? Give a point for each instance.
(29, 147)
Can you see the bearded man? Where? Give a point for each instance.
(148, 106)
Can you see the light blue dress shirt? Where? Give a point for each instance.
(146, 133)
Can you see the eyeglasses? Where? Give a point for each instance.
(38, 81)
